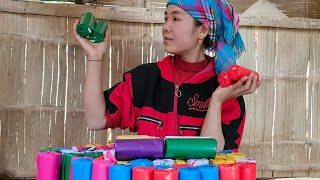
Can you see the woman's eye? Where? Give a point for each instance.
(175, 19)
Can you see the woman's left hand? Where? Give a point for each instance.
(245, 85)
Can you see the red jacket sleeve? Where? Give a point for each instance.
(119, 105)
(232, 120)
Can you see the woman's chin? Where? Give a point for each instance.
(169, 50)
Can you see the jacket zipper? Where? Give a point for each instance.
(150, 119)
(177, 94)
(187, 127)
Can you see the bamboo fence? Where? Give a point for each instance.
(292, 8)
(43, 69)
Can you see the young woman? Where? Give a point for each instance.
(179, 95)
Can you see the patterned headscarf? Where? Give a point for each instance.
(222, 21)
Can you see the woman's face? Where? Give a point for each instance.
(180, 34)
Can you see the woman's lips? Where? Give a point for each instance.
(166, 40)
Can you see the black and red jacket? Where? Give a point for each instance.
(145, 102)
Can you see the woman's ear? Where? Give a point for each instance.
(204, 32)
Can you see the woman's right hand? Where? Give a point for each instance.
(95, 51)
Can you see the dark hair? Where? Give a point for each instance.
(206, 39)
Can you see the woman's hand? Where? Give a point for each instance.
(95, 51)
(245, 85)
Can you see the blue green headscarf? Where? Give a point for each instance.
(222, 21)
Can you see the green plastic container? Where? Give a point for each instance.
(190, 148)
(86, 25)
(99, 31)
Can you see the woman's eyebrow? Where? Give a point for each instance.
(173, 12)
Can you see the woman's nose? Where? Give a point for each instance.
(166, 27)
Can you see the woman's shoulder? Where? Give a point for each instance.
(152, 68)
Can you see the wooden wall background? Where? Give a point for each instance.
(292, 8)
(42, 79)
